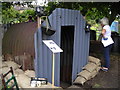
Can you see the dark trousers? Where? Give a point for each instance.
(107, 56)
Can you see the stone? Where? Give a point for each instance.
(18, 71)
(23, 81)
(1, 58)
(12, 64)
(3, 65)
(8, 57)
(30, 73)
(4, 70)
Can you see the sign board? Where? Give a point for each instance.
(52, 46)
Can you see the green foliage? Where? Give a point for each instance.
(92, 11)
(23, 17)
(97, 86)
(119, 28)
(10, 15)
(50, 7)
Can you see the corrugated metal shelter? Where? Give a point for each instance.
(1, 39)
(71, 36)
(19, 39)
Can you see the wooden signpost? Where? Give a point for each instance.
(55, 49)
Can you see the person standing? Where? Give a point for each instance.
(107, 42)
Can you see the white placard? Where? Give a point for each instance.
(52, 46)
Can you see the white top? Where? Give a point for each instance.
(108, 31)
(107, 35)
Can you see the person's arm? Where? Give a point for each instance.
(103, 32)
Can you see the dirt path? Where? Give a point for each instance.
(108, 79)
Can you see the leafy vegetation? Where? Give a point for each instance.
(24, 16)
(11, 15)
(93, 11)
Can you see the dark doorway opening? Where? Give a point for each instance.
(66, 57)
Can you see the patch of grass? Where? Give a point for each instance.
(97, 86)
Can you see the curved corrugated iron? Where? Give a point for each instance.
(43, 57)
(19, 39)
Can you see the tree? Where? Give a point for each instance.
(11, 15)
(24, 16)
(92, 10)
